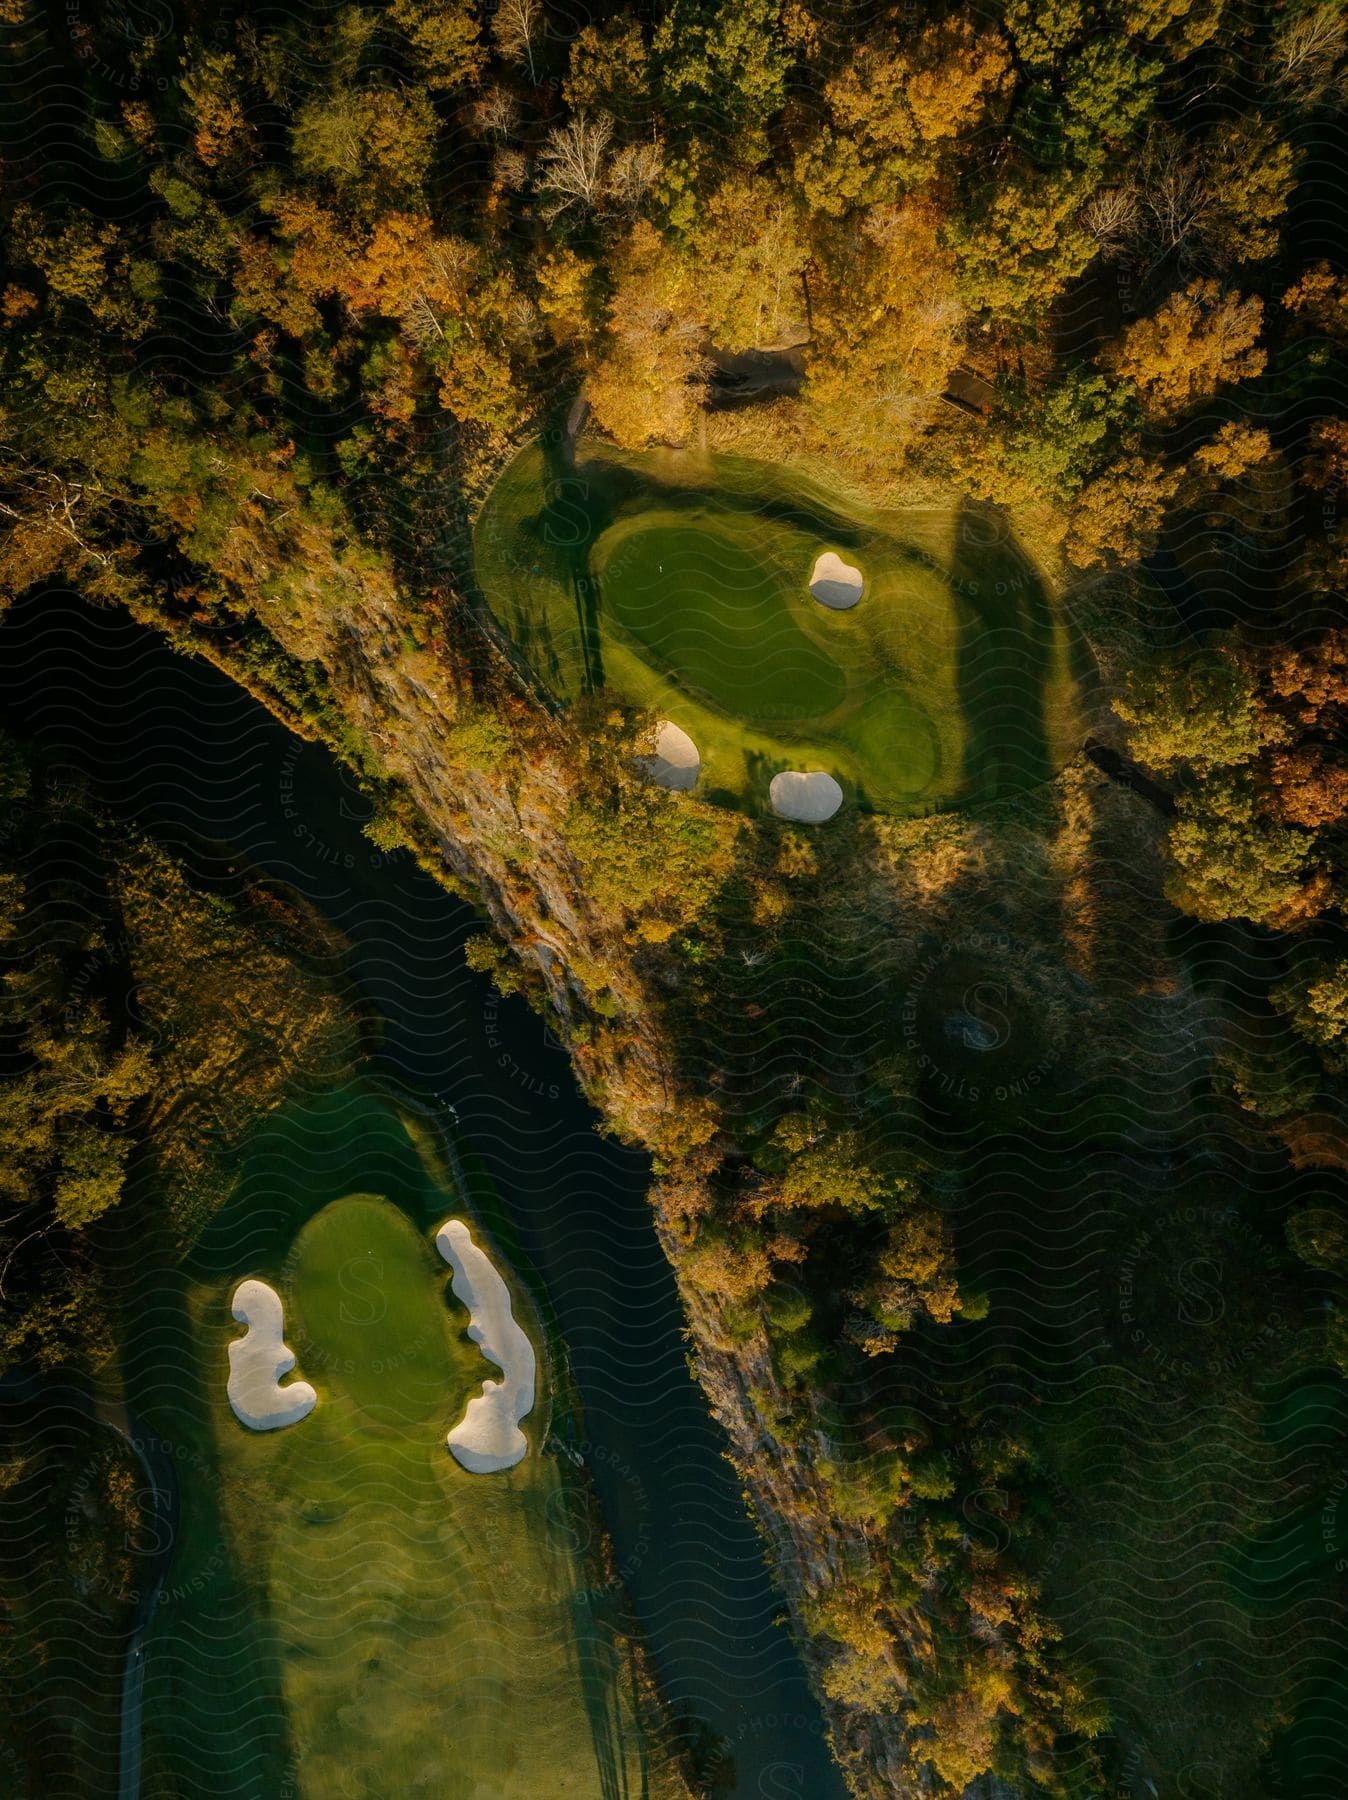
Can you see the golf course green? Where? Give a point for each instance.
(351, 1612)
(681, 581)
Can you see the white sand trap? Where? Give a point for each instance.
(811, 798)
(488, 1436)
(834, 583)
(676, 762)
(259, 1359)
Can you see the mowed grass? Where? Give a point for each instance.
(389, 1624)
(682, 583)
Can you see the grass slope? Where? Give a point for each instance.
(681, 581)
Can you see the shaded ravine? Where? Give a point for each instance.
(159, 1536)
(176, 746)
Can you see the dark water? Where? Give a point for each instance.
(174, 745)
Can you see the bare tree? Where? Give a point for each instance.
(634, 171)
(510, 167)
(51, 504)
(516, 27)
(1111, 216)
(575, 163)
(498, 112)
(1308, 51)
(1174, 195)
(420, 322)
(525, 319)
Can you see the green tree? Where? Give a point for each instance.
(372, 145)
(722, 67)
(1041, 33)
(1232, 860)
(1021, 243)
(1092, 108)
(1316, 1001)
(1046, 443)
(1204, 711)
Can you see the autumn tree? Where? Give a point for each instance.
(642, 390)
(87, 265)
(609, 71)
(912, 1274)
(955, 77)
(751, 253)
(1252, 735)
(1318, 301)
(1315, 998)
(218, 107)
(443, 39)
(567, 295)
(1116, 517)
(895, 111)
(1233, 860)
(1248, 171)
(1197, 341)
(1204, 711)
(823, 1168)
(888, 325)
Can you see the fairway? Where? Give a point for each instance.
(352, 1612)
(683, 583)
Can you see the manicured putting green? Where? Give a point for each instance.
(704, 605)
(683, 583)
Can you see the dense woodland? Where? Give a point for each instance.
(281, 289)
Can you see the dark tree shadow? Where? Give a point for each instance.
(1005, 639)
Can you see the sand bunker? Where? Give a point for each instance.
(676, 762)
(258, 1360)
(809, 798)
(834, 583)
(488, 1436)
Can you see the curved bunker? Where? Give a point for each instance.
(809, 797)
(259, 1359)
(488, 1436)
(836, 584)
(676, 763)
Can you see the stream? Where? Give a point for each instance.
(172, 744)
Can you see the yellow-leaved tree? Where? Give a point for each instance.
(1197, 341)
(644, 389)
